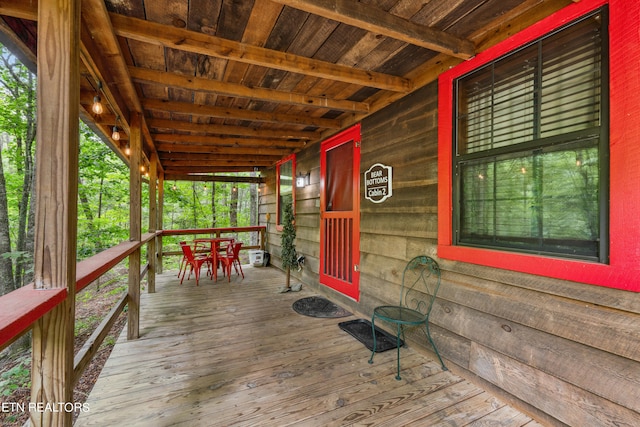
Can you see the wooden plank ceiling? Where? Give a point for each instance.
(236, 85)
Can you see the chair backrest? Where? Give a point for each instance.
(420, 284)
(234, 249)
(186, 251)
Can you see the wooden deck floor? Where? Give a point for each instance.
(237, 354)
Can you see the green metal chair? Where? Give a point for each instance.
(420, 284)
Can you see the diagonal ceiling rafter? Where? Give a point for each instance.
(377, 20)
(238, 114)
(237, 90)
(203, 44)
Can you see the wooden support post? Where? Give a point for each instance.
(56, 209)
(153, 222)
(159, 266)
(135, 224)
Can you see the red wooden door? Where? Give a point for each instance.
(340, 212)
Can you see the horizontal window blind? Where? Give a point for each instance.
(546, 89)
(529, 146)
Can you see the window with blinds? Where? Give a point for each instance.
(531, 147)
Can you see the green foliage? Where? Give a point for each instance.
(190, 205)
(103, 181)
(109, 341)
(87, 324)
(17, 377)
(119, 290)
(289, 254)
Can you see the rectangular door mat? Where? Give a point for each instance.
(360, 329)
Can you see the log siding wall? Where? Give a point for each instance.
(567, 352)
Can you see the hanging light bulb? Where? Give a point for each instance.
(127, 150)
(97, 107)
(115, 135)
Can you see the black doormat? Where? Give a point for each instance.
(319, 307)
(360, 329)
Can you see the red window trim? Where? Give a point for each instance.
(623, 271)
(291, 157)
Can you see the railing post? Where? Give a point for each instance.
(56, 208)
(153, 221)
(135, 224)
(159, 265)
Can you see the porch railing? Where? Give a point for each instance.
(238, 232)
(20, 309)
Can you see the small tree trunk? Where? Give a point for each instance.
(288, 282)
(7, 283)
(233, 207)
(214, 220)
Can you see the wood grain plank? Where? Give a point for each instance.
(205, 85)
(505, 416)
(577, 406)
(611, 376)
(611, 330)
(237, 353)
(378, 21)
(199, 43)
(57, 145)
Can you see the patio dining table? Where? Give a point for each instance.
(215, 243)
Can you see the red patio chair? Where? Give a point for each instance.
(232, 257)
(194, 262)
(183, 261)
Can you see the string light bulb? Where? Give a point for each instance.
(115, 135)
(97, 107)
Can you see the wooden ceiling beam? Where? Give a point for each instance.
(195, 163)
(104, 44)
(95, 18)
(203, 44)
(186, 170)
(143, 75)
(20, 9)
(168, 150)
(227, 141)
(377, 20)
(207, 158)
(95, 73)
(231, 130)
(215, 178)
(238, 114)
(220, 160)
